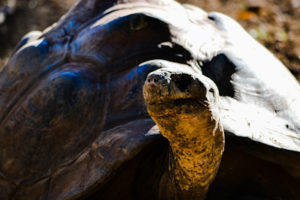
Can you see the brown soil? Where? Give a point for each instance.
(275, 23)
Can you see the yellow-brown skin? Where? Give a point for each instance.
(188, 119)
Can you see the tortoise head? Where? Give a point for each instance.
(179, 93)
(177, 85)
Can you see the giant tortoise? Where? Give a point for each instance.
(75, 99)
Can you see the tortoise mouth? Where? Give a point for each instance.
(167, 100)
(166, 93)
(175, 106)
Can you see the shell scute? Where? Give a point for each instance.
(36, 145)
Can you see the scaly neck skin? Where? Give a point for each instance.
(197, 144)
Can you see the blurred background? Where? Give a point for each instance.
(275, 23)
(18, 17)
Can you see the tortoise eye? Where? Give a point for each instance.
(137, 22)
(182, 81)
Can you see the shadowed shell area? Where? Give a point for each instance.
(127, 100)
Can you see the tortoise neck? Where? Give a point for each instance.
(196, 147)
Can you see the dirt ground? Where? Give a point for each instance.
(275, 23)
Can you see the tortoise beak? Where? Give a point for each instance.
(156, 87)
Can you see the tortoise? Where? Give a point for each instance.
(74, 123)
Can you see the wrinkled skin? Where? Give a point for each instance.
(73, 114)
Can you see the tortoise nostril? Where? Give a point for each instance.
(154, 79)
(182, 81)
